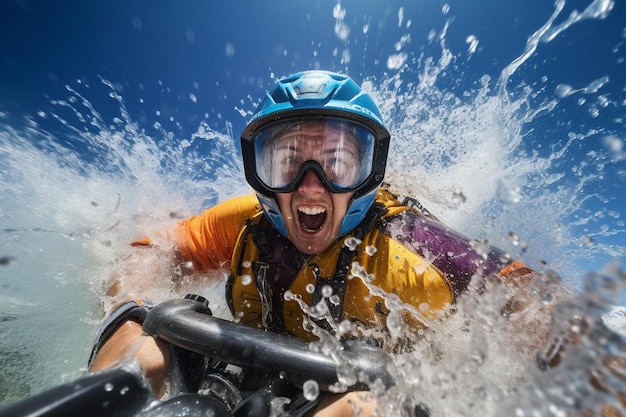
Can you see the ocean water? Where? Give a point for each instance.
(522, 165)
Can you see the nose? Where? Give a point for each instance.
(311, 184)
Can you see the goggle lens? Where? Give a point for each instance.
(339, 151)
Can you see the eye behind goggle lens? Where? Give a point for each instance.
(340, 152)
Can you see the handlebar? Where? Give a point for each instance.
(188, 324)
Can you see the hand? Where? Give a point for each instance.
(351, 404)
(128, 343)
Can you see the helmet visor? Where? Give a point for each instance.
(340, 152)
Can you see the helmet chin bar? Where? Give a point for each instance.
(357, 210)
(272, 212)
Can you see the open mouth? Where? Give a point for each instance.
(311, 218)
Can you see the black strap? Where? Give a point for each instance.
(260, 268)
(339, 281)
(271, 313)
(259, 236)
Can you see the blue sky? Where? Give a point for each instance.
(229, 49)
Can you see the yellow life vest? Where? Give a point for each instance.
(379, 267)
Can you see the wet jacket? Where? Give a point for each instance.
(398, 265)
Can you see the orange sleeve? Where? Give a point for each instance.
(208, 240)
(516, 273)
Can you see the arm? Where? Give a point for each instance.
(205, 241)
(455, 255)
(208, 241)
(128, 342)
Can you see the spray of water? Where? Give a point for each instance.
(78, 186)
(465, 159)
(71, 202)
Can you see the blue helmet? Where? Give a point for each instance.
(317, 95)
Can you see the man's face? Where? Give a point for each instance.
(312, 214)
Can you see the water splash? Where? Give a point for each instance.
(475, 145)
(76, 189)
(591, 358)
(81, 184)
(598, 9)
(472, 159)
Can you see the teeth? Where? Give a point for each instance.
(312, 211)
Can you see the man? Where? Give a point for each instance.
(321, 244)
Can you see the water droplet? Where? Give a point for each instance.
(587, 241)
(516, 240)
(370, 250)
(396, 61)
(508, 190)
(137, 23)
(108, 387)
(327, 291)
(344, 327)
(458, 197)
(229, 50)
(246, 279)
(614, 144)
(359, 272)
(310, 288)
(246, 264)
(311, 390)
(352, 243)
(190, 35)
(563, 90)
(395, 324)
(346, 375)
(309, 327)
(472, 41)
(321, 308)
(481, 247)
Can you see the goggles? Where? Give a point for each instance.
(340, 152)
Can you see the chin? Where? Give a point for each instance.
(319, 245)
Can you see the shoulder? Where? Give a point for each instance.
(455, 255)
(396, 204)
(209, 239)
(246, 205)
(224, 220)
(229, 213)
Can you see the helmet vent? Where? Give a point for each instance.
(310, 89)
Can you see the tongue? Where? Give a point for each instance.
(312, 223)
